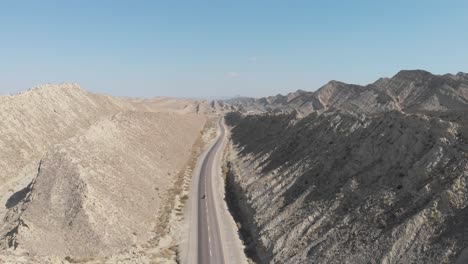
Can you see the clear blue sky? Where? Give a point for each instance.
(223, 48)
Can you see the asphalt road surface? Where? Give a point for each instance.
(210, 250)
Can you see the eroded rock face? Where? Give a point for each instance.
(35, 120)
(106, 183)
(355, 174)
(103, 191)
(344, 187)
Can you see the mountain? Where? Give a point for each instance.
(118, 171)
(87, 176)
(33, 121)
(409, 91)
(417, 91)
(361, 174)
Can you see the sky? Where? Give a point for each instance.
(222, 48)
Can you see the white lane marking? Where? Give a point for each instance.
(210, 253)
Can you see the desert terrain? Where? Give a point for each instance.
(354, 174)
(94, 178)
(345, 174)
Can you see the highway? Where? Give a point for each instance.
(210, 248)
(211, 235)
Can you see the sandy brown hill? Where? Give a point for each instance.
(32, 121)
(175, 105)
(101, 192)
(106, 168)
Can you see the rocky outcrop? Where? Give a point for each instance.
(35, 120)
(108, 179)
(409, 91)
(345, 187)
(103, 190)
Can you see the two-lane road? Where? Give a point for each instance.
(210, 248)
(211, 235)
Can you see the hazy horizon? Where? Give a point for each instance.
(194, 49)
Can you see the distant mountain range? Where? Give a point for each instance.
(409, 91)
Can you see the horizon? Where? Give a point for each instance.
(227, 97)
(212, 50)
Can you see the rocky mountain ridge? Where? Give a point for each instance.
(408, 90)
(377, 175)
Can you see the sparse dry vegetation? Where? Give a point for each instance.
(118, 160)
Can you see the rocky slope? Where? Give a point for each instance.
(86, 176)
(102, 191)
(376, 174)
(347, 188)
(34, 120)
(409, 91)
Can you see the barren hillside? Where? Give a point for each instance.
(88, 176)
(376, 180)
(34, 120)
(341, 188)
(102, 191)
(174, 105)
